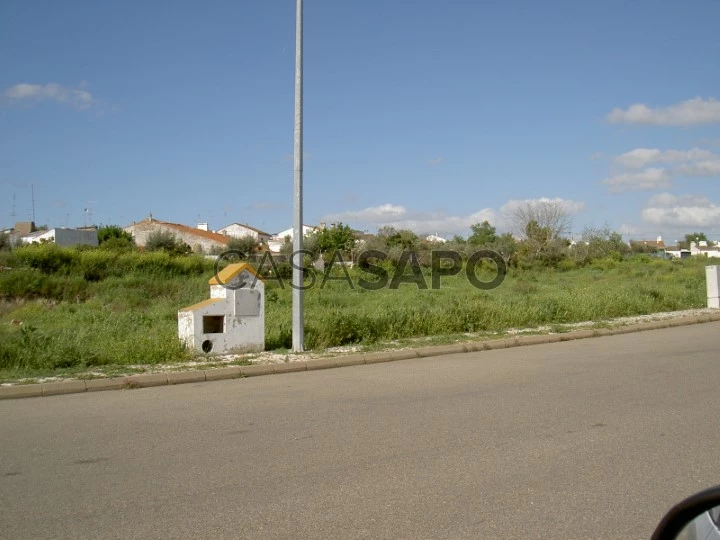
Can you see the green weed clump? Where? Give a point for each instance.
(33, 283)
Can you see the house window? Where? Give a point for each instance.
(213, 324)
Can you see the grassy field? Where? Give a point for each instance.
(124, 312)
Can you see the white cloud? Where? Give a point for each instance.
(710, 167)
(439, 222)
(421, 222)
(373, 214)
(691, 112)
(640, 157)
(75, 97)
(653, 178)
(435, 161)
(681, 211)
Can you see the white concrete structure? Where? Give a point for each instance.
(232, 319)
(712, 278)
(238, 230)
(63, 237)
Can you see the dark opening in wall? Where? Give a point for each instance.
(213, 324)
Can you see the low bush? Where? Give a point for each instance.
(48, 258)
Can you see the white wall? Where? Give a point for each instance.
(307, 229)
(65, 237)
(236, 230)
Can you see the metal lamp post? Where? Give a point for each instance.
(297, 257)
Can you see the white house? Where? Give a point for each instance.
(708, 249)
(277, 240)
(238, 230)
(307, 229)
(703, 248)
(63, 237)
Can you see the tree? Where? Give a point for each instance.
(536, 233)
(246, 244)
(337, 237)
(483, 234)
(457, 239)
(166, 241)
(114, 237)
(542, 221)
(598, 243)
(506, 245)
(691, 238)
(287, 248)
(403, 238)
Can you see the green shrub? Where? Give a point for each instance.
(113, 232)
(97, 264)
(47, 258)
(566, 265)
(244, 244)
(118, 244)
(284, 270)
(166, 241)
(32, 283)
(5, 241)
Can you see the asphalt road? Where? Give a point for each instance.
(585, 439)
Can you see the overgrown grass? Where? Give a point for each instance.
(338, 316)
(99, 309)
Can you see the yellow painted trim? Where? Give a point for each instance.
(202, 304)
(232, 270)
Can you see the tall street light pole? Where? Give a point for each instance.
(297, 279)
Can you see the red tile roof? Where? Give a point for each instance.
(650, 243)
(220, 238)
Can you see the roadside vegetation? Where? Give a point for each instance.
(72, 309)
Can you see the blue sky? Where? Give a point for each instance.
(426, 114)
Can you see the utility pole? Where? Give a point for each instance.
(298, 329)
(32, 194)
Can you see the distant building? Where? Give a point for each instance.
(656, 244)
(198, 239)
(238, 230)
(362, 238)
(63, 237)
(307, 229)
(278, 240)
(24, 227)
(435, 239)
(703, 248)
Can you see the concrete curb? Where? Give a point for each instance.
(234, 372)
